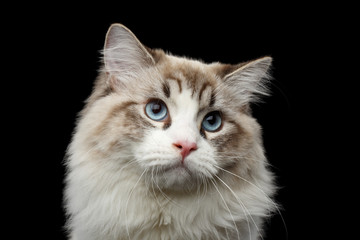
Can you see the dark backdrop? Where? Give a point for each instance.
(63, 49)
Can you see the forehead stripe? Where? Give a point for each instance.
(204, 86)
(166, 89)
(212, 99)
(178, 82)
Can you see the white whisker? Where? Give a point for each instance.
(227, 234)
(166, 196)
(262, 191)
(153, 190)
(127, 202)
(244, 208)
(236, 156)
(228, 209)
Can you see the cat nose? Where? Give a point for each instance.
(185, 148)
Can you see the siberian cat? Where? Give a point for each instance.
(166, 148)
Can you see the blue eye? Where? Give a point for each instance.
(212, 122)
(156, 110)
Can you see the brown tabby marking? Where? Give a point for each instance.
(177, 80)
(166, 89)
(204, 86)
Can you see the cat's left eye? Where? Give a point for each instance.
(156, 110)
(212, 122)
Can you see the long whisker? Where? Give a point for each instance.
(204, 183)
(118, 171)
(227, 234)
(239, 157)
(153, 190)
(127, 202)
(131, 161)
(244, 208)
(262, 191)
(227, 207)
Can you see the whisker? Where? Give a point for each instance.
(202, 188)
(237, 157)
(268, 198)
(166, 196)
(227, 234)
(227, 207)
(130, 162)
(205, 183)
(153, 190)
(244, 208)
(127, 202)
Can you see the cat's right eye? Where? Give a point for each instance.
(156, 110)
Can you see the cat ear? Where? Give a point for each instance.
(249, 80)
(123, 52)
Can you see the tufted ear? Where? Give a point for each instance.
(248, 80)
(123, 52)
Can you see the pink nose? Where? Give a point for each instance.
(185, 148)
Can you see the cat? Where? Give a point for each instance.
(166, 148)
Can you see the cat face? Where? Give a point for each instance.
(179, 122)
(177, 151)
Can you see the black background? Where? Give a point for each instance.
(60, 54)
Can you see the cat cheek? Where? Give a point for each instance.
(136, 125)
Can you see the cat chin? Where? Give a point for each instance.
(175, 178)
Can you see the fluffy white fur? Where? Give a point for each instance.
(112, 201)
(113, 195)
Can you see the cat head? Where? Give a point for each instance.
(178, 122)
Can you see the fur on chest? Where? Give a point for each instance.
(126, 212)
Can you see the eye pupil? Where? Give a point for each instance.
(156, 108)
(211, 120)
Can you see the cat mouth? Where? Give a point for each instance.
(180, 167)
(177, 178)
(177, 169)
(175, 175)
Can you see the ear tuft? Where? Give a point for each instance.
(249, 80)
(123, 52)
